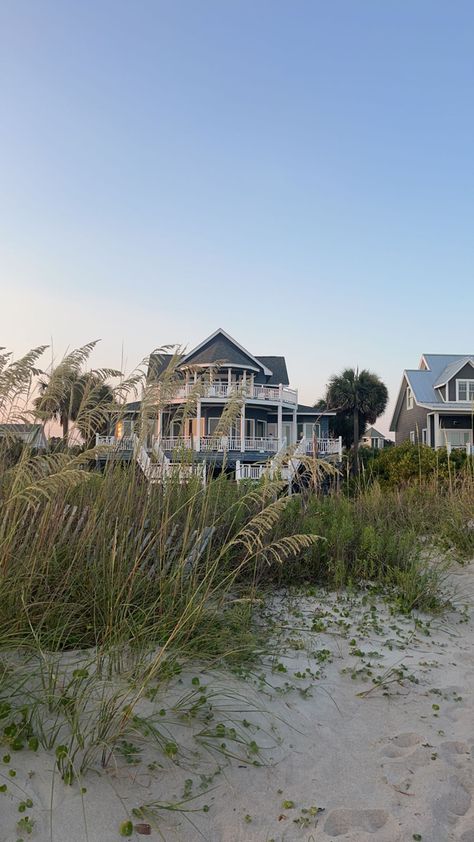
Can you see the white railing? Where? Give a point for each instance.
(255, 472)
(225, 390)
(219, 443)
(224, 443)
(262, 445)
(325, 447)
(469, 448)
(124, 443)
(176, 442)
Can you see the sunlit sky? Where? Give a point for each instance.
(300, 174)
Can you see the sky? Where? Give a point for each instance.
(299, 173)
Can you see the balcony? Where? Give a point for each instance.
(220, 444)
(223, 444)
(224, 391)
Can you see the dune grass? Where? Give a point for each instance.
(110, 585)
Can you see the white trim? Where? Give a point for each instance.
(468, 381)
(462, 362)
(265, 425)
(410, 397)
(234, 342)
(412, 437)
(211, 418)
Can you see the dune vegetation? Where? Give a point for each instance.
(109, 585)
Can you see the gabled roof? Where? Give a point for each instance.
(277, 365)
(425, 381)
(373, 433)
(32, 434)
(452, 369)
(218, 347)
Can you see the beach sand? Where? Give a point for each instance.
(338, 755)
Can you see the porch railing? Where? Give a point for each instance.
(245, 471)
(224, 391)
(124, 443)
(176, 443)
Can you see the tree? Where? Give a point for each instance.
(359, 393)
(71, 394)
(342, 423)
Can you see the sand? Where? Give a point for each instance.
(338, 756)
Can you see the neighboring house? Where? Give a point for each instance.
(31, 434)
(375, 440)
(269, 418)
(435, 404)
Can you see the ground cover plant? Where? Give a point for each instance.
(110, 586)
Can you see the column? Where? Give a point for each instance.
(159, 430)
(295, 427)
(198, 425)
(437, 431)
(280, 422)
(242, 428)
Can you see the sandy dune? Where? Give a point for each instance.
(335, 761)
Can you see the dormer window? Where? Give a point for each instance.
(465, 390)
(409, 398)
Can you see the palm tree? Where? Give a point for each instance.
(70, 394)
(360, 393)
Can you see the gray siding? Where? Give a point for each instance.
(410, 419)
(466, 373)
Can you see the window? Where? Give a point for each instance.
(424, 435)
(409, 397)
(375, 444)
(412, 436)
(465, 390)
(260, 429)
(211, 425)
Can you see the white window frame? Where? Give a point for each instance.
(251, 423)
(410, 398)
(424, 435)
(412, 437)
(261, 421)
(212, 418)
(469, 387)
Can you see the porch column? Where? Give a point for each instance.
(244, 382)
(198, 425)
(428, 431)
(295, 427)
(229, 378)
(242, 429)
(280, 421)
(437, 431)
(159, 425)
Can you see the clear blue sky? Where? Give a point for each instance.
(298, 173)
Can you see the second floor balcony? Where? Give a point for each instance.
(226, 391)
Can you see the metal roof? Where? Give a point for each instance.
(424, 382)
(452, 369)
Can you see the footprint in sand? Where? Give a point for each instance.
(455, 753)
(467, 836)
(340, 822)
(399, 745)
(455, 802)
